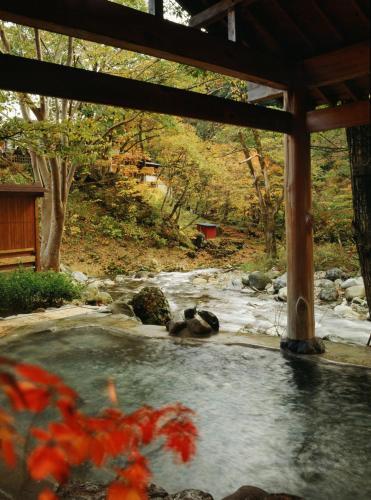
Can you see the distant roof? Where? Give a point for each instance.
(35, 189)
(300, 29)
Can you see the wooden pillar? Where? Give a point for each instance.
(156, 8)
(299, 231)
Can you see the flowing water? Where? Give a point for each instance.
(238, 307)
(284, 424)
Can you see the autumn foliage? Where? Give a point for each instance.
(106, 440)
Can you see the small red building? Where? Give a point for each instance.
(19, 235)
(209, 230)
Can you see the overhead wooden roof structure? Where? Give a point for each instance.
(314, 52)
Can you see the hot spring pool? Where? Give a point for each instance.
(282, 424)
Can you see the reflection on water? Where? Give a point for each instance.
(283, 424)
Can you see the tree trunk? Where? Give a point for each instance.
(360, 166)
(270, 236)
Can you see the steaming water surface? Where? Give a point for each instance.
(282, 424)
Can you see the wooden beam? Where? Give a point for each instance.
(156, 8)
(330, 68)
(259, 93)
(113, 24)
(214, 12)
(299, 226)
(81, 85)
(345, 116)
(338, 66)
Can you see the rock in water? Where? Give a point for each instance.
(151, 306)
(258, 280)
(120, 306)
(253, 493)
(191, 495)
(155, 492)
(196, 324)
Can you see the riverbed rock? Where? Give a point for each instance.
(253, 493)
(282, 294)
(79, 277)
(93, 296)
(82, 491)
(155, 492)
(199, 281)
(191, 495)
(355, 291)
(151, 306)
(258, 280)
(334, 274)
(352, 282)
(273, 274)
(345, 311)
(280, 282)
(328, 292)
(121, 306)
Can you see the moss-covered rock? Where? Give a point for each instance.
(151, 306)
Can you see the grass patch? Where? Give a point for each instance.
(23, 291)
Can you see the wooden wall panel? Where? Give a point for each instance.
(17, 230)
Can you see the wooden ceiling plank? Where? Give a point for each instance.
(323, 97)
(119, 26)
(309, 43)
(338, 66)
(362, 15)
(330, 23)
(349, 90)
(215, 12)
(267, 38)
(88, 86)
(347, 115)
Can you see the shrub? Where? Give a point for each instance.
(23, 291)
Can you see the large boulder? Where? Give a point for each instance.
(355, 291)
(151, 306)
(334, 274)
(258, 280)
(280, 282)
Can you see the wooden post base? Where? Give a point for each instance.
(312, 346)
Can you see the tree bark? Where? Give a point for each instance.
(360, 166)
